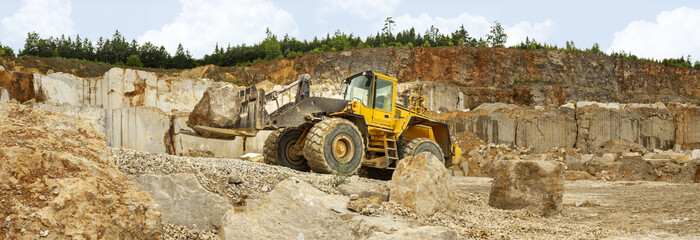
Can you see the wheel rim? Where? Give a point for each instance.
(343, 148)
(292, 158)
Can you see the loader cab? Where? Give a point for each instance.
(377, 95)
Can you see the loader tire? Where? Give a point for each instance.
(419, 145)
(334, 146)
(278, 146)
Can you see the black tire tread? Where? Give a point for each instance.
(412, 145)
(270, 148)
(314, 145)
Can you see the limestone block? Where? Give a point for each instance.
(184, 201)
(687, 127)
(364, 189)
(253, 157)
(683, 158)
(569, 105)
(359, 205)
(306, 213)
(180, 94)
(581, 104)
(140, 128)
(620, 146)
(577, 175)
(219, 107)
(536, 186)
(610, 157)
(421, 183)
(368, 225)
(546, 130)
(570, 159)
(494, 128)
(58, 88)
(4, 95)
(652, 128)
(95, 116)
(438, 96)
(695, 154)
(425, 232)
(586, 157)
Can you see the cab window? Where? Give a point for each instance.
(358, 89)
(383, 95)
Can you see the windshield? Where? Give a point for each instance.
(358, 89)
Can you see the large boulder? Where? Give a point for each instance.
(367, 225)
(219, 107)
(293, 210)
(56, 181)
(536, 186)
(620, 146)
(421, 183)
(184, 201)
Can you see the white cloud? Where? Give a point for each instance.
(674, 34)
(203, 23)
(46, 17)
(477, 26)
(363, 9)
(539, 31)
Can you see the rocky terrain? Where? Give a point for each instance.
(218, 192)
(58, 182)
(556, 145)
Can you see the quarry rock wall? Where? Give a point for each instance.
(133, 109)
(486, 75)
(588, 126)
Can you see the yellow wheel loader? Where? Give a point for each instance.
(367, 128)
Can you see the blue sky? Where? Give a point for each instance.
(652, 29)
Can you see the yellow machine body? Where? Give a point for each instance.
(385, 119)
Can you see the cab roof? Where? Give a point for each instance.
(382, 76)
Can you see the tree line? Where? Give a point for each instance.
(119, 51)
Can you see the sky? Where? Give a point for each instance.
(649, 29)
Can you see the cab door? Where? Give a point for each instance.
(383, 103)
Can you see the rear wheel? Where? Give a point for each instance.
(279, 149)
(419, 145)
(334, 146)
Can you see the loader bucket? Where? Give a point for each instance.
(253, 117)
(253, 114)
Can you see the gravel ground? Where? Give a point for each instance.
(470, 214)
(472, 218)
(612, 209)
(235, 179)
(232, 178)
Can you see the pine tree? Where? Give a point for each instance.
(389, 24)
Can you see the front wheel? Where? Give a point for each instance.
(279, 149)
(334, 146)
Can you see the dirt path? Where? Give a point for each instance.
(644, 209)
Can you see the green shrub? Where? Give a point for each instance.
(133, 61)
